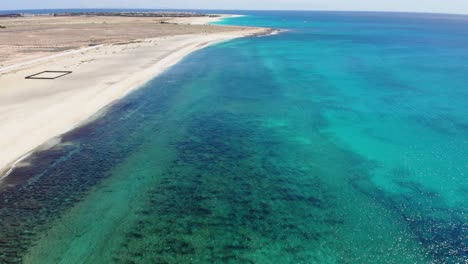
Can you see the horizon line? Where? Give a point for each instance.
(213, 9)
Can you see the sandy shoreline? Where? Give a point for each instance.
(35, 111)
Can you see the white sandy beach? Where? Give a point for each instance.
(34, 111)
(203, 20)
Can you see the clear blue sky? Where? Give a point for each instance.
(439, 6)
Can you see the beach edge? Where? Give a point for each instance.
(135, 82)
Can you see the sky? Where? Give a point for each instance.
(436, 6)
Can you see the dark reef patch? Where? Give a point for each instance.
(56, 179)
(219, 204)
(441, 229)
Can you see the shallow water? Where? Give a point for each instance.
(343, 140)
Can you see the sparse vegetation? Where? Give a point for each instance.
(2, 26)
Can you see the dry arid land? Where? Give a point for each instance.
(27, 38)
(108, 58)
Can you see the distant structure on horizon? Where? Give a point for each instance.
(120, 14)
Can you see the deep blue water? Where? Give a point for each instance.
(342, 140)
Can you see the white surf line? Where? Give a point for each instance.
(22, 64)
(13, 166)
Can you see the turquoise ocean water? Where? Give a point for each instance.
(342, 140)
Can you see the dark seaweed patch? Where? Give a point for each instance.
(216, 205)
(33, 196)
(442, 231)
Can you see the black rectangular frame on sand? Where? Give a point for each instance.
(37, 75)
